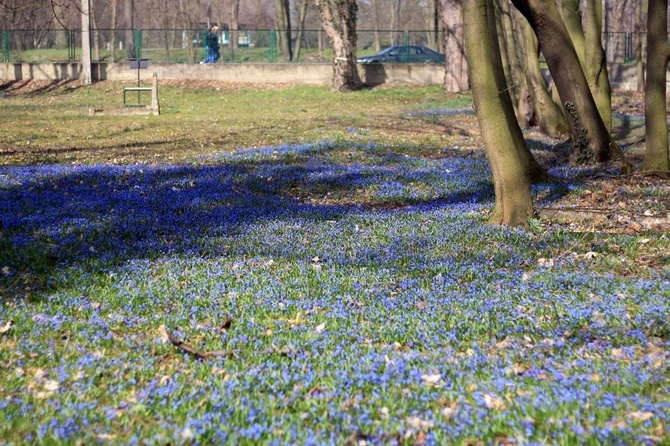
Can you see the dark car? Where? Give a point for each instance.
(404, 53)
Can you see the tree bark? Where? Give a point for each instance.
(114, 24)
(233, 29)
(591, 139)
(525, 112)
(497, 122)
(375, 10)
(456, 72)
(658, 55)
(283, 25)
(130, 24)
(595, 62)
(549, 115)
(339, 21)
(505, 55)
(639, 56)
(301, 29)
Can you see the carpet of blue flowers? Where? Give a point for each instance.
(361, 291)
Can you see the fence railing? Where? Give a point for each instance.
(253, 45)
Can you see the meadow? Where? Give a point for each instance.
(266, 264)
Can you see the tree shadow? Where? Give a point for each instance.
(59, 217)
(29, 87)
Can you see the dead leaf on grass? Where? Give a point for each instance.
(5, 328)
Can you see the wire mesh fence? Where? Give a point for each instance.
(252, 45)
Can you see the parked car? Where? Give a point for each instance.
(404, 53)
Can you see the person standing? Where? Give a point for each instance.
(212, 45)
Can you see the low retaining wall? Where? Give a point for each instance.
(621, 76)
(315, 74)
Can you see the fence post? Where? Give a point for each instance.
(138, 43)
(70, 41)
(273, 46)
(628, 48)
(5, 46)
(405, 42)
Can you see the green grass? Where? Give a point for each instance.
(200, 119)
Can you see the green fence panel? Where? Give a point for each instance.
(253, 45)
(273, 46)
(6, 53)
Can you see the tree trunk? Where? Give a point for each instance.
(497, 122)
(339, 21)
(525, 112)
(130, 24)
(456, 72)
(549, 115)
(656, 123)
(591, 139)
(433, 18)
(61, 35)
(233, 29)
(595, 62)
(301, 29)
(572, 17)
(186, 15)
(114, 24)
(375, 9)
(504, 48)
(283, 25)
(96, 33)
(639, 56)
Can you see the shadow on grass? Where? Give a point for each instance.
(58, 217)
(34, 88)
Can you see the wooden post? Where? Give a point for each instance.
(155, 107)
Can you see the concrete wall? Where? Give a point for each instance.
(315, 74)
(621, 76)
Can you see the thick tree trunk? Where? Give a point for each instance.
(549, 116)
(588, 45)
(497, 122)
(456, 73)
(591, 138)
(339, 21)
(656, 123)
(572, 17)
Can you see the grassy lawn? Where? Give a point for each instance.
(286, 265)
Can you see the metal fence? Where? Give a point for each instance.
(254, 45)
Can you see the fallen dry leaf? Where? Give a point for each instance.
(5, 328)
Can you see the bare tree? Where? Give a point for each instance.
(656, 123)
(301, 28)
(339, 21)
(591, 138)
(283, 28)
(456, 72)
(234, 27)
(639, 26)
(497, 123)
